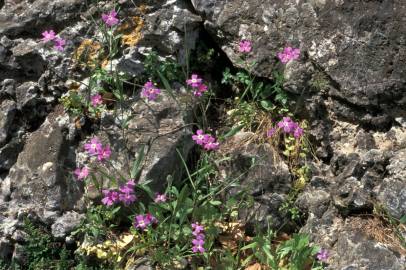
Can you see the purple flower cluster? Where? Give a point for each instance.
(110, 18)
(198, 241)
(245, 46)
(48, 36)
(125, 194)
(322, 255)
(287, 125)
(143, 221)
(160, 198)
(95, 147)
(81, 173)
(198, 85)
(207, 141)
(150, 91)
(288, 54)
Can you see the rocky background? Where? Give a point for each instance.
(350, 84)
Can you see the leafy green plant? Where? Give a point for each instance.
(293, 254)
(157, 67)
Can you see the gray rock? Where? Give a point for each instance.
(262, 174)
(161, 127)
(31, 17)
(8, 88)
(355, 251)
(6, 249)
(39, 184)
(392, 192)
(315, 199)
(66, 224)
(9, 153)
(8, 110)
(28, 58)
(361, 55)
(171, 28)
(350, 244)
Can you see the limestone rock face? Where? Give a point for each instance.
(392, 193)
(355, 243)
(28, 17)
(162, 128)
(259, 171)
(358, 45)
(40, 184)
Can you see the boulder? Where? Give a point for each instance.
(40, 184)
(392, 192)
(8, 110)
(358, 45)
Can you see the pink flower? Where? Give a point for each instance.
(151, 219)
(198, 242)
(198, 246)
(59, 44)
(94, 147)
(110, 18)
(199, 236)
(200, 90)
(143, 221)
(197, 228)
(271, 132)
(48, 36)
(128, 187)
(211, 144)
(322, 255)
(298, 132)
(127, 195)
(127, 198)
(96, 100)
(149, 91)
(245, 46)
(160, 198)
(200, 138)
(81, 173)
(110, 197)
(287, 125)
(288, 54)
(104, 153)
(140, 222)
(194, 81)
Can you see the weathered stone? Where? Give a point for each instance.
(8, 111)
(353, 243)
(171, 28)
(362, 55)
(66, 224)
(30, 17)
(29, 59)
(315, 199)
(161, 127)
(9, 153)
(8, 89)
(392, 193)
(39, 183)
(262, 174)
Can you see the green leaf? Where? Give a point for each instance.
(403, 220)
(252, 245)
(167, 85)
(215, 203)
(136, 169)
(266, 104)
(233, 131)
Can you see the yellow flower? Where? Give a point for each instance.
(101, 254)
